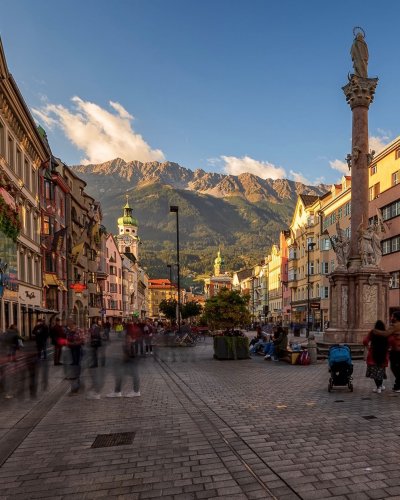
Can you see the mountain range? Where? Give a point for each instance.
(241, 214)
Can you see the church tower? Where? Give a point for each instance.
(218, 263)
(127, 239)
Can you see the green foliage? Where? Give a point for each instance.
(228, 309)
(191, 309)
(168, 308)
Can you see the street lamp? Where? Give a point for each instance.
(175, 209)
(310, 246)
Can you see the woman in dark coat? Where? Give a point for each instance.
(377, 358)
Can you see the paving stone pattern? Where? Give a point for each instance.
(212, 429)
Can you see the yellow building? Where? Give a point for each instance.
(384, 194)
(159, 289)
(274, 285)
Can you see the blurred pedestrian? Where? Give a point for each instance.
(394, 343)
(127, 363)
(107, 329)
(58, 339)
(377, 357)
(41, 334)
(75, 341)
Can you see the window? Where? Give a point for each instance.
(347, 208)
(385, 247)
(22, 267)
(374, 169)
(326, 244)
(397, 154)
(340, 213)
(374, 191)
(395, 279)
(27, 174)
(395, 178)
(324, 267)
(33, 181)
(48, 190)
(311, 269)
(19, 164)
(11, 152)
(50, 264)
(332, 266)
(48, 225)
(324, 292)
(113, 270)
(113, 288)
(2, 140)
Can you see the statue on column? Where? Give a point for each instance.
(359, 54)
(341, 246)
(369, 242)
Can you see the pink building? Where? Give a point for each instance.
(112, 294)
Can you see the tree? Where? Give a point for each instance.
(191, 309)
(227, 309)
(168, 308)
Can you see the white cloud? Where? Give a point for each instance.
(378, 142)
(100, 134)
(340, 165)
(265, 170)
(299, 177)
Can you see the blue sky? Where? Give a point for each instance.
(223, 85)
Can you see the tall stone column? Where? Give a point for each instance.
(359, 286)
(359, 94)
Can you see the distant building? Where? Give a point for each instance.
(219, 280)
(159, 290)
(135, 279)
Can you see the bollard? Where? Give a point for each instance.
(312, 348)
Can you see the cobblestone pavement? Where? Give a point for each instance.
(207, 429)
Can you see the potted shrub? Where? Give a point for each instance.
(227, 310)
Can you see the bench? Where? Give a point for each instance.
(290, 356)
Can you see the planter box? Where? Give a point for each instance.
(231, 348)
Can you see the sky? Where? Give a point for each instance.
(227, 86)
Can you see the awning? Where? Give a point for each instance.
(50, 279)
(27, 309)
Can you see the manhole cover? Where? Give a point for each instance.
(339, 401)
(108, 440)
(369, 417)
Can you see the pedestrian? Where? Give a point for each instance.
(107, 329)
(95, 343)
(41, 334)
(58, 339)
(128, 363)
(394, 343)
(377, 357)
(148, 335)
(75, 341)
(12, 342)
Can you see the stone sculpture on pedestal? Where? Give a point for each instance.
(359, 287)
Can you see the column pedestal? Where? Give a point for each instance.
(357, 300)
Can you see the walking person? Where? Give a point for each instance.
(41, 334)
(57, 335)
(107, 329)
(394, 343)
(127, 364)
(377, 357)
(75, 341)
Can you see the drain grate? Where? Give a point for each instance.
(369, 417)
(365, 399)
(108, 440)
(339, 400)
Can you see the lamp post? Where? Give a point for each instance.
(175, 209)
(310, 246)
(283, 284)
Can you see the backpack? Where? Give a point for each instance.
(304, 358)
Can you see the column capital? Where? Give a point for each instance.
(360, 91)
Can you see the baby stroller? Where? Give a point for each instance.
(340, 366)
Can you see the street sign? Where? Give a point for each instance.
(315, 305)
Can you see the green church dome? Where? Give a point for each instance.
(127, 219)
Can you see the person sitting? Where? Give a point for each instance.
(258, 342)
(280, 342)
